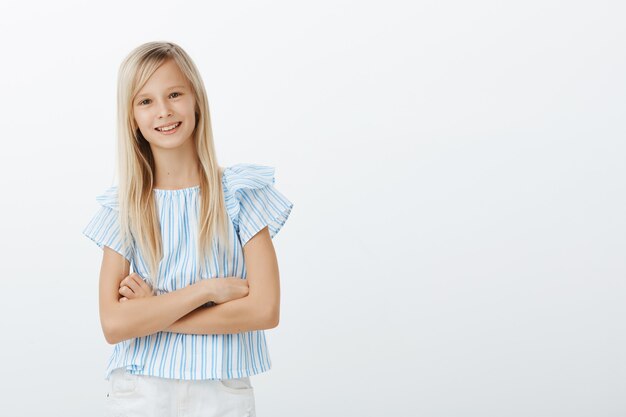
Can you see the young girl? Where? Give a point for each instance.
(188, 323)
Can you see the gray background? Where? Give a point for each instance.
(457, 242)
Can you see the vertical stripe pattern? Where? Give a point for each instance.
(252, 202)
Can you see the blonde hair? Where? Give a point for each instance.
(136, 166)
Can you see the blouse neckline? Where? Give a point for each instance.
(175, 190)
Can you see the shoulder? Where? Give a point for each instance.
(244, 184)
(246, 176)
(109, 198)
(252, 201)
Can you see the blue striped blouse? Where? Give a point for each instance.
(252, 202)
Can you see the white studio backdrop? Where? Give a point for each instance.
(457, 243)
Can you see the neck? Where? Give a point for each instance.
(176, 168)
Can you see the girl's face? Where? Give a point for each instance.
(166, 100)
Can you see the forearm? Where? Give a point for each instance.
(240, 315)
(147, 315)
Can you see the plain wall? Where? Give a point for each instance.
(457, 243)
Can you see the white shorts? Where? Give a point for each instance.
(130, 395)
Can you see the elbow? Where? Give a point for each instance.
(266, 314)
(111, 340)
(272, 317)
(111, 333)
(109, 336)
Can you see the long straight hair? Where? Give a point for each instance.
(136, 166)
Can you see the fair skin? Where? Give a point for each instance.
(127, 306)
(231, 316)
(166, 98)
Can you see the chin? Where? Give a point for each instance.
(166, 142)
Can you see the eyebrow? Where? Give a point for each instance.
(168, 88)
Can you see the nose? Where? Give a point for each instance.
(164, 110)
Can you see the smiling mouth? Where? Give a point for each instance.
(168, 128)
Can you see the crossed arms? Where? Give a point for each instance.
(183, 311)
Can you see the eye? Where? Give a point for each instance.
(147, 99)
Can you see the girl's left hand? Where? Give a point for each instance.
(133, 286)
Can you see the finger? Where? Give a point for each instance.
(136, 278)
(131, 283)
(141, 282)
(126, 291)
(123, 299)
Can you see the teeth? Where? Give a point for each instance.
(170, 127)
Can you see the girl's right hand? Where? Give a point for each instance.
(227, 289)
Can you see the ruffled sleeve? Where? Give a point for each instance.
(104, 227)
(252, 201)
